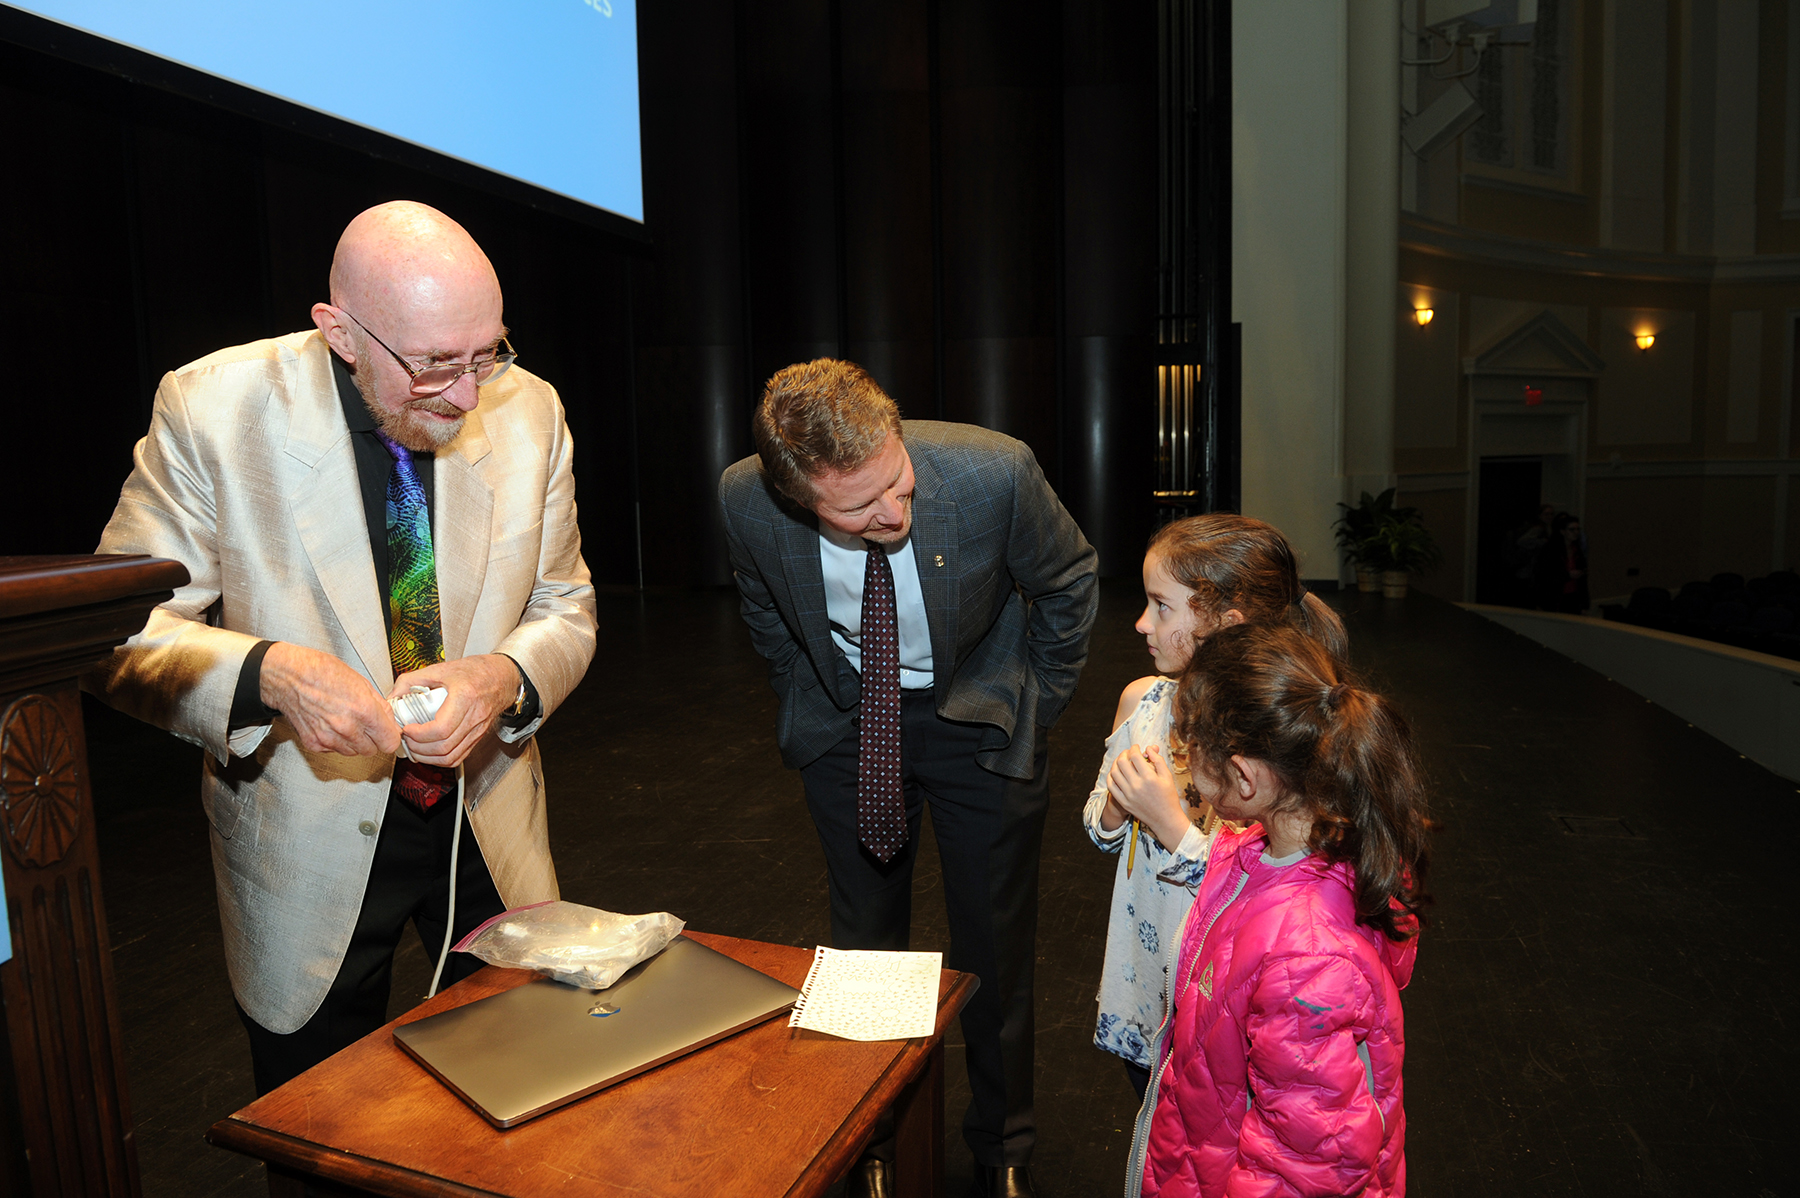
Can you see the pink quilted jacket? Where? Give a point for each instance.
(1281, 1059)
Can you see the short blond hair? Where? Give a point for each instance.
(819, 416)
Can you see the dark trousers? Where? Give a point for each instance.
(989, 832)
(408, 880)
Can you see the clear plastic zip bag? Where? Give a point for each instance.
(576, 945)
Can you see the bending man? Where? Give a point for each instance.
(924, 601)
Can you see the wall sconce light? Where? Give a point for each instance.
(1423, 316)
(1645, 341)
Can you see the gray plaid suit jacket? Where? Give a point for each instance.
(1008, 580)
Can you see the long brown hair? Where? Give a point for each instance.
(1342, 754)
(1232, 561)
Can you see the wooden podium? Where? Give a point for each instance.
(65, 1124)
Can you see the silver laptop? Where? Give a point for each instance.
(515, 1055)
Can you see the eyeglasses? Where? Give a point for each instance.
(440, 377)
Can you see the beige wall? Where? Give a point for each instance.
(1749, 380)
(1672, 430)
(1371, 254)
(1427, 369)
(1443, 514)
(1288, 245)
(1666, 217)
(1676, 529)
(1791, 542)
(1778, 48)
(1646, 397)
(1669, 219)
(1315, 199)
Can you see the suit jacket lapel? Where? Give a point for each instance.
(797, 543)
(328, 514)
(462, 526)
(934, 551)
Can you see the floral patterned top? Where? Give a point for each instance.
(1149, 905)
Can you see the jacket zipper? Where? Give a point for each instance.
(1140, 1132)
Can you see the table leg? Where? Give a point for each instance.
(919, 1132)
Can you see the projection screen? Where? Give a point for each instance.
(542, 91)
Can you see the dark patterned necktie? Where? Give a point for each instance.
(880, 811)
(415, 639)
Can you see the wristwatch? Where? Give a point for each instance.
(518, 704)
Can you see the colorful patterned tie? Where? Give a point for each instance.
(414, 637)
(880, 810)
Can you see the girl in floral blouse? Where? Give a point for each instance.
(1200, 574)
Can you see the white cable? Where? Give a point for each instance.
(1430, 62)
(450, 914)
(1480, 49)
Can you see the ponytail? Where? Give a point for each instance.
(1342, 754)
(1312, 616)
(1368, 806)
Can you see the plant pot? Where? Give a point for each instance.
(1393, 583)
(1367, 579)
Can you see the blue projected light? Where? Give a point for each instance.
(542, 90)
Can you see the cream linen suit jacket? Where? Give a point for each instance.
(247, 477)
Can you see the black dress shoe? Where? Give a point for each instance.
(1005, 1181)
(870, 1178)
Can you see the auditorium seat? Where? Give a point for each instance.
(1728, 613)
(1650, 607)
(1762, 614)
(1782, 644)
(1651, 601)
(1772, 618)
(1691, 606)
(1741, 595)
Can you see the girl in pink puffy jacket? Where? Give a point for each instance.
(1280, 1062)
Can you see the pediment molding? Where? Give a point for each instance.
(1544, 347)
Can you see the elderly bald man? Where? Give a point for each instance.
(382, 503)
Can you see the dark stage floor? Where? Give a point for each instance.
(1605, 1004)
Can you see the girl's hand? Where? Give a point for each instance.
(1142, 783)
(1112, 815)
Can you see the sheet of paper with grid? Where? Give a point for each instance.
(862, 994)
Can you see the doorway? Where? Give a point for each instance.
(1511, 488)
(1529, 395)
(1553, 435)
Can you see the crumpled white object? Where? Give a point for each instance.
(573, 944)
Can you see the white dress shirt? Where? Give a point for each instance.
(844, 560)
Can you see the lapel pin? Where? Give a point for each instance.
(938, 558)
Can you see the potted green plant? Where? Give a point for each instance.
(1400, 548)
(1358, 529)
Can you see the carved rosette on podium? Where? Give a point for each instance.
(65, 1122)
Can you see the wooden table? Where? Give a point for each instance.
(769, 1111)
